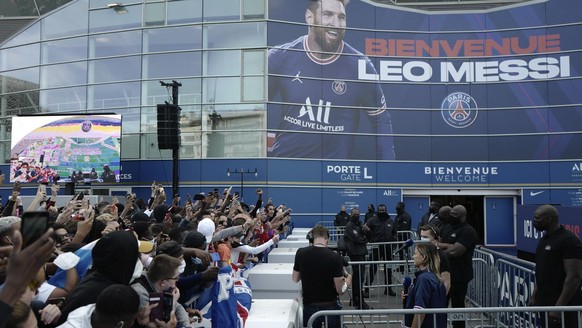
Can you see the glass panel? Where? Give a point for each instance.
(115, 69)
(131, 119)
(185, 11)
(109, 19)
(155, 14)
(253, 62)
(191, 144)
(221, 10)
(234, 144)
(114, 44)
(223, 62)
(172, 66)
(67, 21)
(20, 57)
(31, 34)
(253, 9)
(63, 100)
(129, 146)
(149, 148)
(234, 117)
(64, 50)
(190, 93)
(118, 95)
(253, 88)
(20, 80)
(63, 75)
(20, 103)
(237, 35)
(217, 90)
(173, 38)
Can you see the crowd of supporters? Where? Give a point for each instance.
(103, 264)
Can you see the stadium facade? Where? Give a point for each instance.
(484, 104)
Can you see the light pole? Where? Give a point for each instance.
(242, 173)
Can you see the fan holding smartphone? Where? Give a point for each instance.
(33, 225)
(158, 286)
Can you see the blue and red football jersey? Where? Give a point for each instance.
(316, 105)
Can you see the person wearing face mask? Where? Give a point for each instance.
(558, 269)
(225, 246)
(198, 275)
(430, 234)
(459, 244)
(342, 218)
(381, 231)
(356, 240)
(427, 290)
(115, 261)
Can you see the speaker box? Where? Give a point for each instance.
(168, 126)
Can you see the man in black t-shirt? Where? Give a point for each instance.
(558, 268)
(459, 244)
(322, 277)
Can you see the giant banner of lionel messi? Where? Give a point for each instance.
(358, 80)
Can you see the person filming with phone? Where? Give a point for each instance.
(158, 286)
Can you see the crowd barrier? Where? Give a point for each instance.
(473, 317)
(500, 281)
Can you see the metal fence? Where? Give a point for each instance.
(473, 317)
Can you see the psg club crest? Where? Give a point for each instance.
(86, 126)
(339, 87)
(459, 110)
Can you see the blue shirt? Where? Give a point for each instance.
(315, 105)
(426, 292)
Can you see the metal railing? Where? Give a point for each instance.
(473, 317)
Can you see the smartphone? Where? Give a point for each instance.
(165, 305)
(33, 225)
(80, 196)
(215, 258)
(236, 193)
(168, 306)
(158, 311)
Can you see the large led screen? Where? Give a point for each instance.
(65, 148)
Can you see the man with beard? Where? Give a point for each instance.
(381, 231)
(558, 268)
(356, 241)
(316, 98)
(459, 244)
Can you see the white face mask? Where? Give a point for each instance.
(425, 239)
(138, 270)
(182, 267)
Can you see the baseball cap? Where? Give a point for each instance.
(145, 246)
(206, 227)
